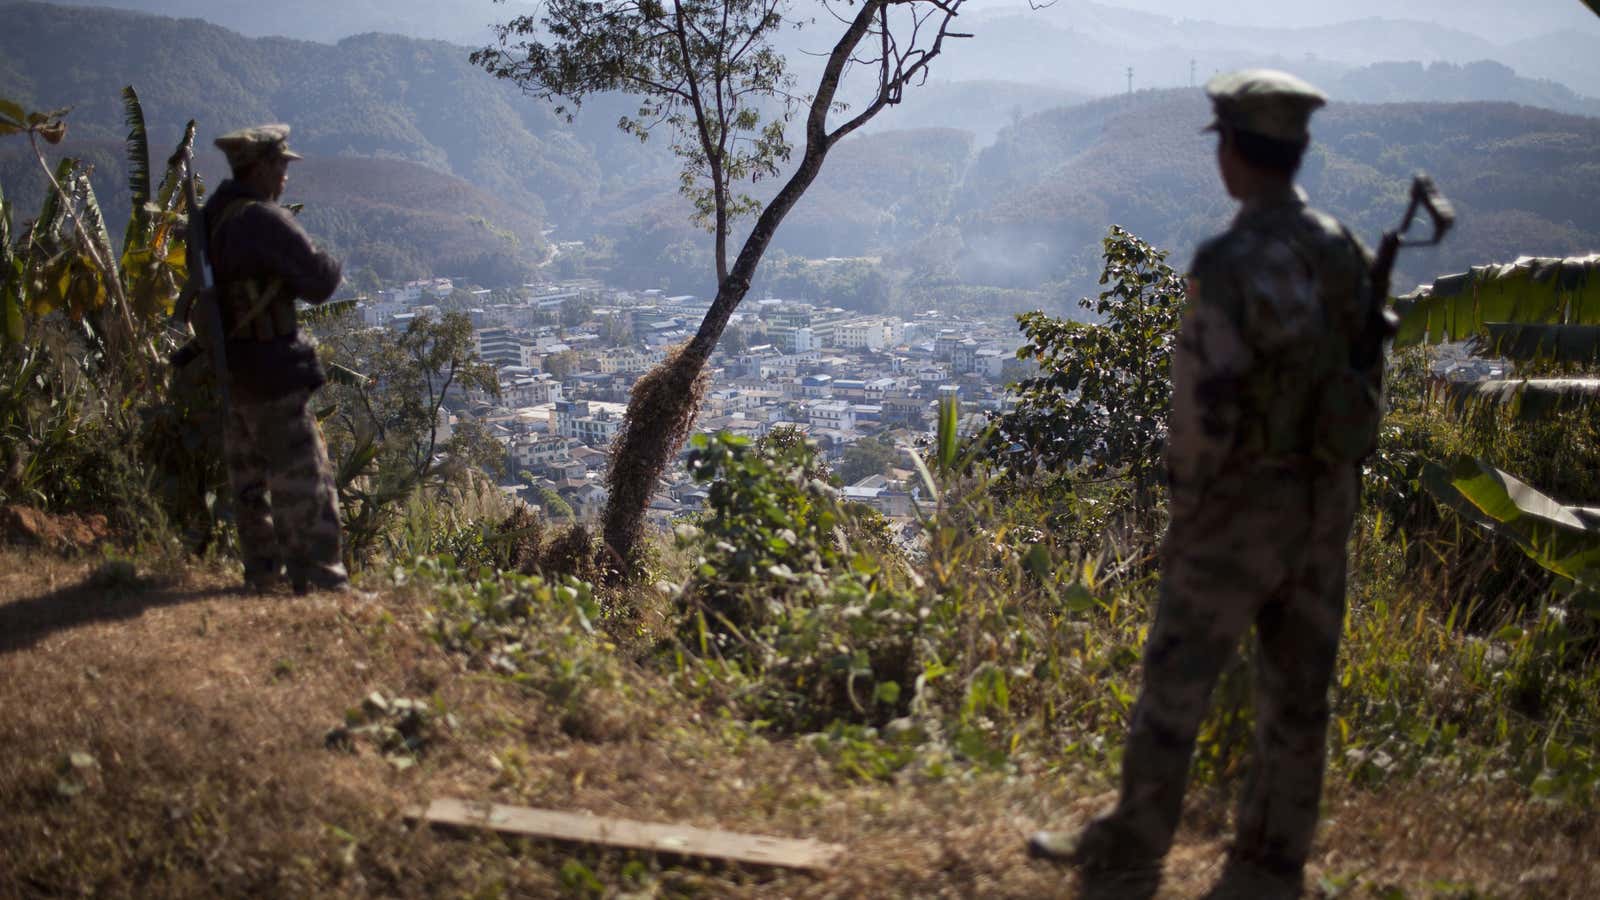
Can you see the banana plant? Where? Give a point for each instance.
(1533, 312)
(1563, 539)
(1530, 291)
(1537, 310)
(65, 261)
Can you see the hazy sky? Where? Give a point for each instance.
(1496, 20)
(1500, 21)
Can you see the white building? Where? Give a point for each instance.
(860, 334)
(537, 450)
(834, 414)
(593, 422)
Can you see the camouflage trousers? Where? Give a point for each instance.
(1266, 549)
(285, 502)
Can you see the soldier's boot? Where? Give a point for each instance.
(321, 578)
(1112, 861)
(1245, 879)
(262, 574)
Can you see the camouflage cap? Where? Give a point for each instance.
(254, 144)
(1267, 102)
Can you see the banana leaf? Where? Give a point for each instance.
(326, 312)
(12, 117)
(1563, 539)
(1539, 343)
(51, 214)
(946, 435)
(94, 223)
(345, 376)
(1532, 290)
(1526, 398)
(11, 277)
(138, 146)
(168, 195)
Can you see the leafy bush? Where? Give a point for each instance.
(536, 632)
(1099, 405)
(769, 533)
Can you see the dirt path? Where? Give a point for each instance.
(166, 735)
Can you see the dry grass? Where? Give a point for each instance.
(205, 711)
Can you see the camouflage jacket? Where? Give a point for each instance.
(1274, 305)
(262, 241)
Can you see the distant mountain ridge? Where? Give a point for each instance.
(1094, 41)
(1035, 203)
(421, 164)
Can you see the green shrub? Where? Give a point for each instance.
(540, 633)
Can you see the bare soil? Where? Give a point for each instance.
(163, 734)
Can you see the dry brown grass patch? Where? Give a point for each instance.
(199, 717)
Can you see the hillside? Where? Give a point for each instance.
(1013, 181)
(368, 96)
(168, 735)
(1035, 203)
(384, 218)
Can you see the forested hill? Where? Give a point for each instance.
(1525, 181)
(467, 171)
(974, 182)
(372, 95)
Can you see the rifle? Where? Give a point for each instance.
(1381, 320)
(200, 295)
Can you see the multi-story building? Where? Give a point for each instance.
(859, 334)
(531, 389)
(944, 345)
(905, 409)
(792, 338)
(835, 414)
(593, 422)
(964, 356)
(816, 386)
(539, 450)
(786, 314)
(614, 360)
(499, 346)
(850, 389)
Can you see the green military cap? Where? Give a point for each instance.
(1267, 102)
(257, 143)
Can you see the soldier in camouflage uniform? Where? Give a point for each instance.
(284, 497)
(1263, 469)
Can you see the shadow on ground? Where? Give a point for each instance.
(26, 621)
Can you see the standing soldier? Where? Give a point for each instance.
(284, 497)
(1264, 486)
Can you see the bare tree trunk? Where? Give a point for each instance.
(663, 404)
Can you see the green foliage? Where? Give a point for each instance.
(770, 523)
(1525, 399)
(1565, 540)
(534, 632)
(872, 456)
(706, 70)
(855, 284)
(1536, 343)
(1529, 291)
(383, 433)
(1540, 312)
(97, 420)
(1416, 698)
(1100, 401)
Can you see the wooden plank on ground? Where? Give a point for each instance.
(681, 840)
